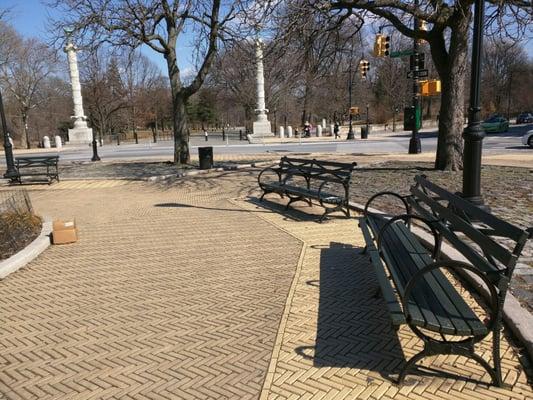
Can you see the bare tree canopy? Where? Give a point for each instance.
(447, 35)
(160, 24)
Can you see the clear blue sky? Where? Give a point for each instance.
(29, 18)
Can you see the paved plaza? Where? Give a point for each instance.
(189, 288)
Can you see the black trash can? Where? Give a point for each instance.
(206, 157)
(364, 132)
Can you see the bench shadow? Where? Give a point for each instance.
(354, 328)
(294, 214)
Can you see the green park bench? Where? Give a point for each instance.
(327, 182)
(411, 278)
(29, 166)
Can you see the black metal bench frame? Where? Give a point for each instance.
(451, 217)
(38, 166)
(325, 171)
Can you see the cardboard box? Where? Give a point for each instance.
(64, 232)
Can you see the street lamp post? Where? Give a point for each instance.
(95, 148)
(415, 146)
(473, 134)
(11, 172)
(350, 86)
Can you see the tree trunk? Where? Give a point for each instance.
(452, 68)
(179, 111)
(181, 146)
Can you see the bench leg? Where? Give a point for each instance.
(410, 364)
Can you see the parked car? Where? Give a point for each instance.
(524, 118)
(496, 124)
(527, 139)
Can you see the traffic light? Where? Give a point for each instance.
(419, 61)
(430, 87)
(364, 66)
(382, 45)
(354, 110)
(385, 45)
(377, 45)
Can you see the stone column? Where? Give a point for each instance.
(261, 126)
(80, 133)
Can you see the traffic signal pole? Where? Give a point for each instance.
(350, 88)
(415, 146)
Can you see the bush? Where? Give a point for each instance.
(19, 226)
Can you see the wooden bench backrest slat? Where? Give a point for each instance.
(459, 224)
(455, 217)
(502, 228)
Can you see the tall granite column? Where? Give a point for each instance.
(80, 133)
(261, 126)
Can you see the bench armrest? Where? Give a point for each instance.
(267, 169)
(387, 193)
(408, 217)
(453, 265)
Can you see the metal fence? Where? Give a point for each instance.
(18, 223)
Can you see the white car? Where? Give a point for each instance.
(527, 139)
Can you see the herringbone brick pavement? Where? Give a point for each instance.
(336, 340)
(172, 292)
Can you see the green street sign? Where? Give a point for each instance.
(402, 53)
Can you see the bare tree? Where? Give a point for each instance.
(159, 24)
(448, 40)
(24, 74)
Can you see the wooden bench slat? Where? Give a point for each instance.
(503, 228)
(387, 290)
(451, 303)
(484, 241)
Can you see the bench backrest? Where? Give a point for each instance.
(459, 220)
(36, 161)
(317, 169)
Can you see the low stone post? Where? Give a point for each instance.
(319, 131)
(281, 132)
(331, 129)
(46, 142)
(289, 131)
(58, 141)
(323, 123)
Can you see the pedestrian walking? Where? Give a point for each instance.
(307, 129)
(336, 130)
(206, 135)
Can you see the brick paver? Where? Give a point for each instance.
(337, 341)
(170, 293)
(191, 289)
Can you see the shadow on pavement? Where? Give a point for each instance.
(354, 328)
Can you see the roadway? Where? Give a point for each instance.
(499, 143)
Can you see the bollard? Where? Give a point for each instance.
(331, 129)
(58, 141)
(323, 123)
(289, 131)
(281, 132)
(319, 131)
(46, 142)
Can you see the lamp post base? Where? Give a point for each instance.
(415, 147)
(350, 134)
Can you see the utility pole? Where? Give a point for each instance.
(415, 146)
(350, 86)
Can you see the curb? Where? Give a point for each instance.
(517, 318)
(30, 252)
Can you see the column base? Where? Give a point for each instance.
(262, 129)
(80, 135)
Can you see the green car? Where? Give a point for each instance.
(496, 124)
